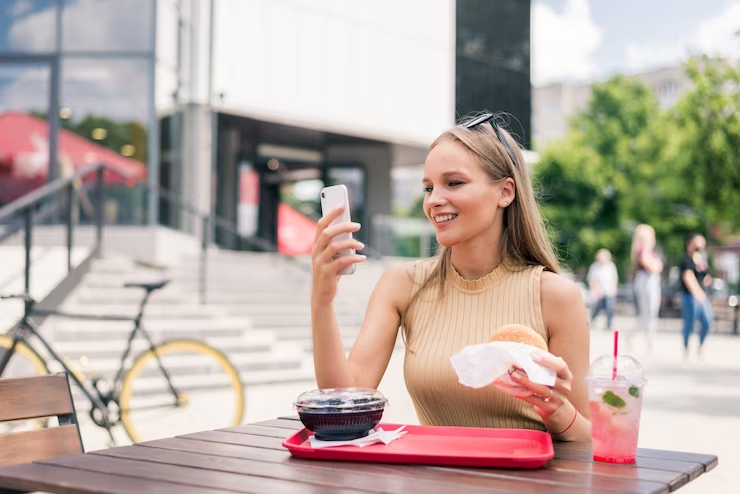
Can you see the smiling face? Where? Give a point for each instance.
(461, 201)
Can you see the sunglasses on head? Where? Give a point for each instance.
(491, 118)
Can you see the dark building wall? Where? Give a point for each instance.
(492, 61)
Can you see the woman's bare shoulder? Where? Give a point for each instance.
(561, 298)
(403, 272)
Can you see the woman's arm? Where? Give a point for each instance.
(565, 318)
(689, 279)
(650, 261)
(372, 350)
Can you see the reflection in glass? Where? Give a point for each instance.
(105, 102)
(24, 133)
(107, 25)
(28, 25)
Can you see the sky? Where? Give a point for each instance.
(586, 40)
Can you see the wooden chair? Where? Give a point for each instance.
(37, 397)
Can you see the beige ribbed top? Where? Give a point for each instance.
(468, 313)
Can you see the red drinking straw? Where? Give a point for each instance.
(616, 350)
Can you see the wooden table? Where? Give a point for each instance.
(250, 458)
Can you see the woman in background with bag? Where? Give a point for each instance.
(648, 267)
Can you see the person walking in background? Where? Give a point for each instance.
(602, 280)
(695, 305)
(647, 280)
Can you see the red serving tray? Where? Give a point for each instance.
(444, 446)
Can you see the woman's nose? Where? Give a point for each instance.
(436, 199)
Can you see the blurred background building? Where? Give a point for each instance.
(246, 109)
(553, 105)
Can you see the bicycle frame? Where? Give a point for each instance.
(99, 401)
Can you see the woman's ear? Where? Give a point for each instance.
(508, 192)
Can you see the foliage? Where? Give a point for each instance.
(118, 134)
(625, 162)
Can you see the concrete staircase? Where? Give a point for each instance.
(275, 294)
(257, 311)
(48, 269)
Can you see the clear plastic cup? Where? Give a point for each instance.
(615, 406)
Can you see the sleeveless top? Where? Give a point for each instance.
(467, 313)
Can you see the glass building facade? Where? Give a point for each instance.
(82, 67)
(492, 58)
(220, 111)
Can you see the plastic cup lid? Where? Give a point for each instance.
(628, 369)
(344, 399)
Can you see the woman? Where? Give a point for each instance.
(496, 266)
(695, 305)
(647, 280)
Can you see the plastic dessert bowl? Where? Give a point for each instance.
(340, 414)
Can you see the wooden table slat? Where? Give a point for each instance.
(692, 469)
(553, 477)
(309, 472)
(672, 479)
(35, 477)
(251, 458)
(197, 477)
(649, 453)
(709, 461)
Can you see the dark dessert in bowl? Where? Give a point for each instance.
(341, 414)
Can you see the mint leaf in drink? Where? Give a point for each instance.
(613, 400)
(634, 391)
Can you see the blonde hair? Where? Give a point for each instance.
(524, 240)
(642, 234)
(603, 255)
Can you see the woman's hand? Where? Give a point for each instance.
(323, 256)
(550, 403)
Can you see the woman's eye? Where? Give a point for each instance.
(455, 183)
(427, 189)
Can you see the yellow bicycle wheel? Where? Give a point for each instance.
(24, 362)
(210, 392)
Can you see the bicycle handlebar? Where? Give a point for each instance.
(20, 296)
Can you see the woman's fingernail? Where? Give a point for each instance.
(515, 376)
(363, 257)
(360, 246)
(340, 207)
(356, 226)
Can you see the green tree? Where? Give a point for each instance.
(599, 174)
(708, 119)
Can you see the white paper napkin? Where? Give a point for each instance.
(480, 365)
(376, 436)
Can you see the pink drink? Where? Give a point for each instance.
(615, 418)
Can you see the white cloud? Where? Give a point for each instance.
(563, 44)
(88, 25)
(715, 36)
(20, 8)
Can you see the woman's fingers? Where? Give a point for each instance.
(332, 250)
(325, 235)
(545, 392)
(326, 220)
(555, 363)
(343, 261)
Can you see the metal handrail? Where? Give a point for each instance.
(25, 207)
(46, 191)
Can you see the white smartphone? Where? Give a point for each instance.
(331, 198)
